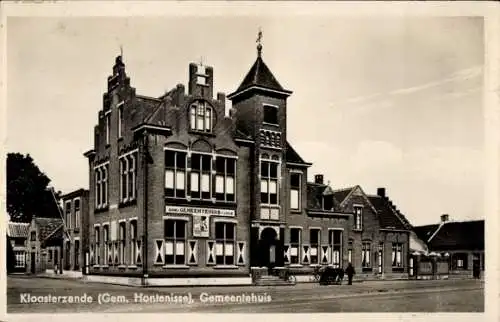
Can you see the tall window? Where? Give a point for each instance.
(133, 239)
(201, 117)
(358, 218)
(77, 213)
(224, 179)
(366, 256)
(295, 190)
(120, 121)
(121, 244)
(101, 185)
(107, 125)
(175, 242)
(335, 242)
(20, 259)
(224, 243)
(105, 243)
(68, 214)
(201, 169)
(77, 254)
(295, 237)
(269, 182)
(270, 114)
(175, 174)
(315, 239)
(349, 252)
(97, 255)
(128, 175)
(397, 255)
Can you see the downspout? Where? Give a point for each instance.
(145, 208)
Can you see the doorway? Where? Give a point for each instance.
(269, 248)
(33, 258)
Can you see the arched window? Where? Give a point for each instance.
(201, 117)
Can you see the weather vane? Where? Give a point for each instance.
(259, 41)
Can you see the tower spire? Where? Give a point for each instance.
(259, 43)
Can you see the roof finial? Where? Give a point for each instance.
(259, 42)
(201, 60)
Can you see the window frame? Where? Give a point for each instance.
(316, 245)
(174, 192)
(336, 246)
(225, 242)
(225, 176)
(366, 256)
(358, 217)
(298, 190)
(201, 174)
(201, 110)
(275, 114)
(397, 248)
(296, 244)
(78, 214)
(268, 179)
(175, 240)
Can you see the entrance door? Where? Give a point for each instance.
(33, 258)
(476, 265)
(269, 249)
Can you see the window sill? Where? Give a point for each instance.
(226, 267)
(367, 269)
(202, 133)
(176, 266)
(132, 266)
(104, 266)
(96, 266)
(271, 124)
(122, 266)
(295, 211)
(295, 265)
(127, 203)
(102, 209)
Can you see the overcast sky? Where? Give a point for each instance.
(387, 102)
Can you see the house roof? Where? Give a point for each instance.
(340, 194)
(464, 235)
(55, 237)
(18, 230)
(292, 155)
(260, 75)
(425, 232)
(387, 214)
(47, 226)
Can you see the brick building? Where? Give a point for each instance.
(75, 207)
(44, 244)
(180, 189)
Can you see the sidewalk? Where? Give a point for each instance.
(69, 275)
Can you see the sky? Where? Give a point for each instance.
(388, 102)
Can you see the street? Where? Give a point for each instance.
(373, 296)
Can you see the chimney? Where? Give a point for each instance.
(200, 80)
(318, 179)
(381, 192)
(445, 218)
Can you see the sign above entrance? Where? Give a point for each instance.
(200, 211)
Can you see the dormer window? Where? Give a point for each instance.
(201, 117)
(271, 114)
(328, 202)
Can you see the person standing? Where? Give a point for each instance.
(350, 273)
